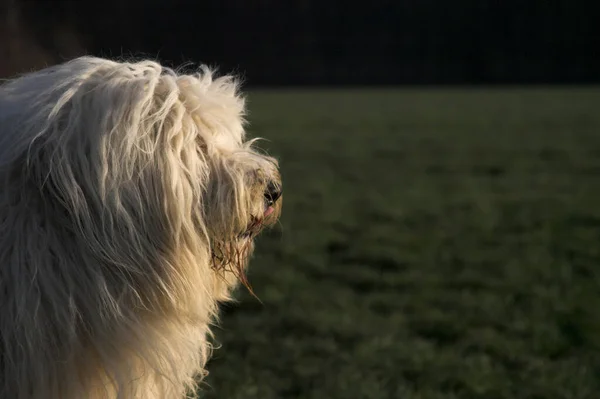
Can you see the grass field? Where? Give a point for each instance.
(434, 244)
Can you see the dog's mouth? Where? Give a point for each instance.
(256, 224)
(269, 211)
(271, 195)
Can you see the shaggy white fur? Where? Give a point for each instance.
(129, 199)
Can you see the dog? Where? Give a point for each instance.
(129, 202)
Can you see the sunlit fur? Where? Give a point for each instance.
(124, 191)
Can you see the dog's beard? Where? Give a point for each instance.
(232, 255)
(257, 223)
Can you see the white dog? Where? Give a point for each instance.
(129, 201)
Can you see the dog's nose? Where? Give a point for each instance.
(272, 193)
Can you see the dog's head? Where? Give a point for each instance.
(146, 168)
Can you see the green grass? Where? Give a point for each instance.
(434, 244)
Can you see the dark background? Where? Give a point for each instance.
(309, 42)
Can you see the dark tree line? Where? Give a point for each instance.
(274, 42)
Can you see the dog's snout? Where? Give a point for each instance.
(272, 193)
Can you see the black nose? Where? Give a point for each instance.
(272, 193)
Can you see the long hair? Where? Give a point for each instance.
(117, 183)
